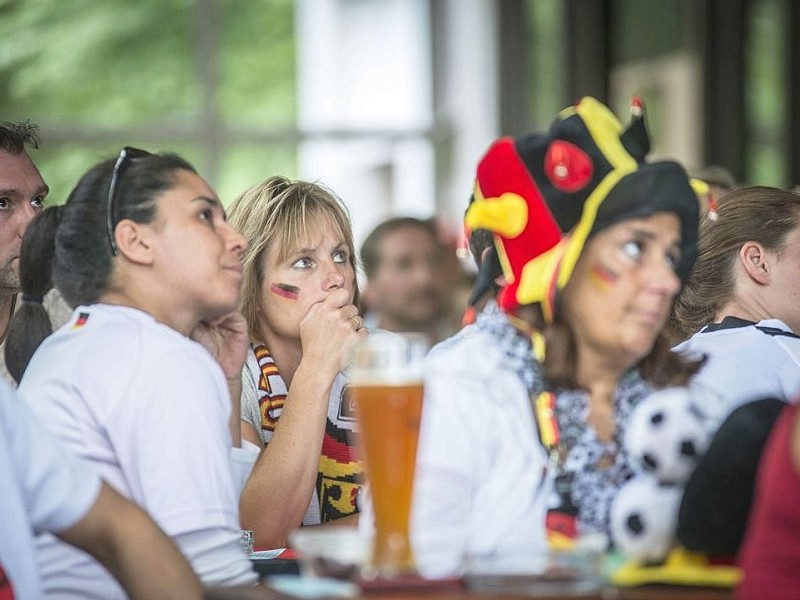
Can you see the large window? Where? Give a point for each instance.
(211, 80)
(654, 55)
(548, 60)
(765, 91)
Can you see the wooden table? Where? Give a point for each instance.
(650, 592)
(639, 593)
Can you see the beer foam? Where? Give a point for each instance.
(390, 377)
(388, 358)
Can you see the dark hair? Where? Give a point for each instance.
(479, 240)
(16, 137)
(68, 246)
(30, 324)
(370, 249)
(661, 367)
(753, 214)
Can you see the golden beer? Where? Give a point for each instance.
(388, 419)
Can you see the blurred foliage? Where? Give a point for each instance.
(766, 113)
(63, 164)
(97, 63)
(100, 72)
(645, 29)
(258, 63)
(244, 165)
(547, 81)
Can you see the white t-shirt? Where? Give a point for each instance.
(149, 408)
(479, 487)
(337, 420)
(746, 363)
(43, 488)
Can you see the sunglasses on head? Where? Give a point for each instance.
(125, 156)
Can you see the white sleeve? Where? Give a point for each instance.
(249, 409)
(173, 444)
(58, 487)
(479, 486)
(242, 461)
(445, 482)
(789, 375)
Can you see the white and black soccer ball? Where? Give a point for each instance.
(643, 519)
(667, 434)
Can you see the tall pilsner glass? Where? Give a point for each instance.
(386, 388)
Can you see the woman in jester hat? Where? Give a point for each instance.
(525, 409)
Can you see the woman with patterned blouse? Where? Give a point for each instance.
(525, 410)
(299, 298)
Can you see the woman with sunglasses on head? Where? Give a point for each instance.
(299, 298)
(143, 251)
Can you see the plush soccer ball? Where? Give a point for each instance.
(666, 435)
(643, 518)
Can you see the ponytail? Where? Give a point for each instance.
(30, 324)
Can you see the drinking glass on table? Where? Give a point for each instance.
(386, 389)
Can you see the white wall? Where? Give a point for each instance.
(374, 131)
(671, 86)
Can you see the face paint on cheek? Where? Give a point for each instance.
(602, 277)
(284, 290)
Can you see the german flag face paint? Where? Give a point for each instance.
(284, 290)
(602, 277)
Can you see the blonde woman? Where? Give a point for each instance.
(299, 298)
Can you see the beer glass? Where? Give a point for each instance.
(386, 389)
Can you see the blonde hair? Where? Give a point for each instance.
(279, 212)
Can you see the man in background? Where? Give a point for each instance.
(22, 195)
(407, 278)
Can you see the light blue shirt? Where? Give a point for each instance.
(43, 488)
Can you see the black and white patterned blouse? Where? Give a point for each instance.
(590, 471)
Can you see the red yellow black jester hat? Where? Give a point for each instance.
(543, 195)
